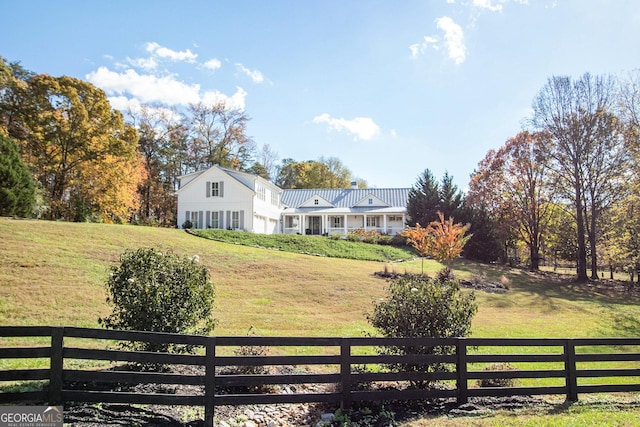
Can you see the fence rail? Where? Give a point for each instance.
(565, 360)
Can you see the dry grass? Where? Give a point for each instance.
(53, 273)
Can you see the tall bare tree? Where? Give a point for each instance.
(218, 136)
(583, 149)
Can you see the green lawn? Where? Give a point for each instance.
(53, 273)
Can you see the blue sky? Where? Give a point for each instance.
(388, 87)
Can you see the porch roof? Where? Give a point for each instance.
(393, 210)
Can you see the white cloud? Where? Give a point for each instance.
(255, 75)
(145, 87)
(453, 36)
(234, 102)
(495, 5)
(419, 48)
(164, 52)
(488, 4)
(453, 40)
(148, 64)
(361, 127)
(213, 64)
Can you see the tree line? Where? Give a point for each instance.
(90, 162)
(565, 188)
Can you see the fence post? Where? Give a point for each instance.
(210, 381)
(345, 373)
(461, 371)
(56, 365)
(570, 370)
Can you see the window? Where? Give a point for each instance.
(373, 221)
(336, 222)
(291, 222)
(215, 189)
(316, 202)
(194, 220)
(274, 198)
(215, 219)
(262, 193)
(235, 220)
(395, 218)
(370, 201)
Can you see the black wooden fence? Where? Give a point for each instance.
(568, 361)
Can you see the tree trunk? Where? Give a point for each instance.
(582, 250)
(592, 244)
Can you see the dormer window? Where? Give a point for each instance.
(370, 202)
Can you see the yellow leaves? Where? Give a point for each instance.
(441, 239)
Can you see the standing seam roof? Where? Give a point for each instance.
(346, 197)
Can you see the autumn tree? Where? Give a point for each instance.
(323, 173)
(162, 147)
(67, 128)
(447, 239)
(420, 238)
(519, 188)
(442, 240)
(584, 151)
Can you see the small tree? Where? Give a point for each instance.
(160, 292)
(418, 306)
(442, 239)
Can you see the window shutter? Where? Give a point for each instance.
(200, 218)
(228, 219)
(208, 219)
(187, 216)
(241, 222)
(208, 189)
(221, 219)
(221, 188)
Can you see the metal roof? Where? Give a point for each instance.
(346, 197)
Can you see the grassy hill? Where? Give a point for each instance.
(53, 273)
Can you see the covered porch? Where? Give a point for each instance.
(330, 223)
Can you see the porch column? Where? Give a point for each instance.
(345, 225)
(384, 223)
(301, 224)
(364, 222)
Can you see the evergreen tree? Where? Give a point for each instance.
(17, 189)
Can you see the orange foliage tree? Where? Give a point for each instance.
(443, 240)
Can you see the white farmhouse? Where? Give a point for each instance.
(229, 199)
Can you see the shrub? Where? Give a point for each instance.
(385, 239)
(498, 382)
(160, 292)
(252, 350)
(418, 306)
(363, 417)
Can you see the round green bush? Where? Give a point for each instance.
(159, 291)
(419, 306)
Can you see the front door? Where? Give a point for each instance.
(314, 225)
